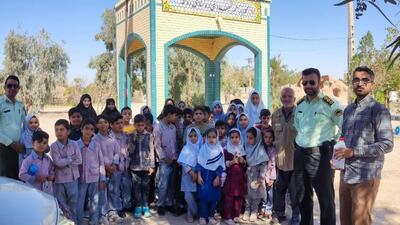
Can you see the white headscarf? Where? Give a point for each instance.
(219, 116)
(230, 108)
(26, 135)
(190, 151)
(253, 111)
(143, 108)
(235, 149)
(243, 131)
(211, 156)
(256, 154)
(240, 106)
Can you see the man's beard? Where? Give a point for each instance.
(311, 92)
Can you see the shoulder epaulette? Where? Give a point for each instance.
(328, 100)
(300, 101)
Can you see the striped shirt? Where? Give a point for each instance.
(368, 131)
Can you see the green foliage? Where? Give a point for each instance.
(186, 77)
(367, 54)
(361, 7)
(40, 63)
(104, 64)
(73, 92)
(280, 76)
(234, 77)
(137, 71)
(107, 33)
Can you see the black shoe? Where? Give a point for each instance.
(181, 211)
(121, 214)
(174, 210)
(127, 210)
(281, 218)
(161, 211)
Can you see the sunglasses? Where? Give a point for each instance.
(311, 82)
(15, 86)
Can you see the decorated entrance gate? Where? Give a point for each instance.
(206, 28)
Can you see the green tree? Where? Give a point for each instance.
(40, 63)
(104, 64)
(138, 71)
(368, 55)
(186, 77)
(234, 77)
(281, 76)
(362, 6)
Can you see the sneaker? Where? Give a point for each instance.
(138, 212)
(230, 222)
(146, 212)
(253, 217)
(161, 211)
(217, 216)
(104, 220)
(189, 219)
(202, 221)
(121, 214)
(212, 221)
(246, 216)
(113, 216)
(236, 219)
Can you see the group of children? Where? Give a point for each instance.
(205, 159)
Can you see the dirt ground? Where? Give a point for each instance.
(386, 209)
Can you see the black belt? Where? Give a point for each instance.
(316, 149)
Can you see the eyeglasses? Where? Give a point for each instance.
(15, 86)
(363, 81)
(311, 82)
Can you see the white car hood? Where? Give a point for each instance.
(23, 204)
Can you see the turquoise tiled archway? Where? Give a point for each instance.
(121, 64)
(213, 67)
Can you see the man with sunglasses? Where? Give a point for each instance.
(12, 114)
(368, 135)
(318, 120)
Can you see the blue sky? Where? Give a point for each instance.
(76, 22)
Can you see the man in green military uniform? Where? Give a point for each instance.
(318, 121)
(12, 115)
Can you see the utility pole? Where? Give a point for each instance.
(126, 56)
(350, 46)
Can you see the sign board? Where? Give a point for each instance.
(393, 96)
(238, 10)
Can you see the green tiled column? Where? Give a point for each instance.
(212, 81)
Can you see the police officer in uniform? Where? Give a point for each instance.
(318, 121)
(12, 115)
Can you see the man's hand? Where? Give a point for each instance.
(343, 153)
(19, 148)
(269, 183)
